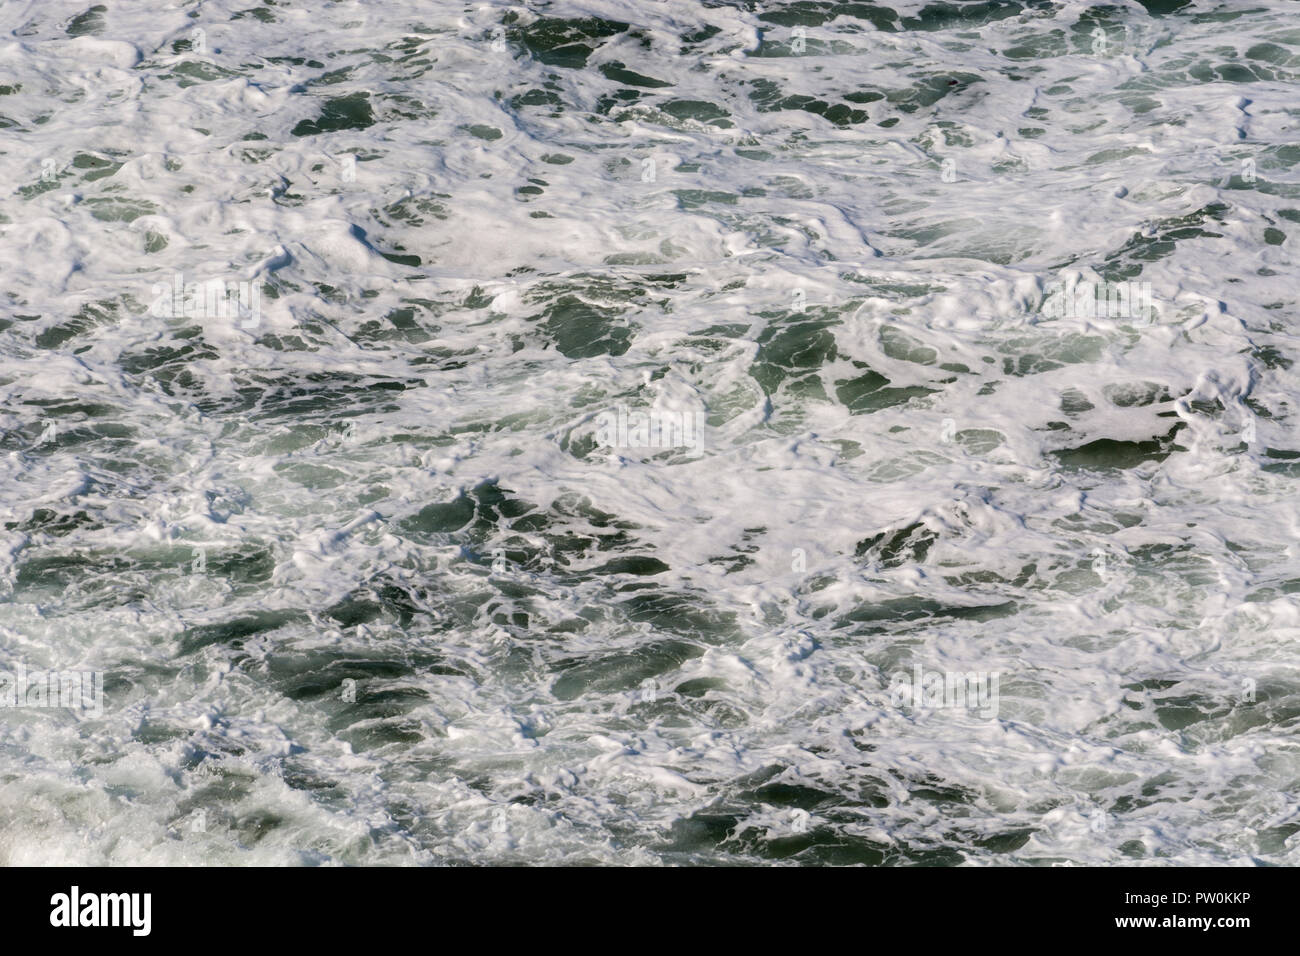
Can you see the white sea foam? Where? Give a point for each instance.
(394, 477)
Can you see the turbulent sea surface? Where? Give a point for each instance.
(364, 580)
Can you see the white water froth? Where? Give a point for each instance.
(502, 714)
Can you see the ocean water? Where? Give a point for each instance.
(375, 561)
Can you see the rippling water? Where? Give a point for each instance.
(371, 550)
